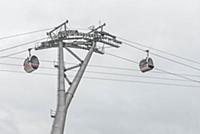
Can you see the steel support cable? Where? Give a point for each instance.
(22, 72)
(186, 78)
(123, 58)
(129, 60)
(22, 44)
(106, 73)
(143, 82)
(12, 54)
(162, 51)
(108, 79)
(163, 57)
(19, 58)
(109, 67)
(137, 76)
(130, 69)
(11, 36)
(195, 68)
(97, 66)
(22, 34)
(18, 65)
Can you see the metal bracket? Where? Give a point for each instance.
(29, 51)
(66, 78)
(52, 113)
(147, 53)
(95, 29)
(72, 53)
(73, 67)
(63, 24)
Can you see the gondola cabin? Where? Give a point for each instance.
(31, 63)
(146, 65)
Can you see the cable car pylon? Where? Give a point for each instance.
(93, 41)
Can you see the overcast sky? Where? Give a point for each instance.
(104, 107)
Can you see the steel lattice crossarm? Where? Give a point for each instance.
(81, 40)
(73, 44)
